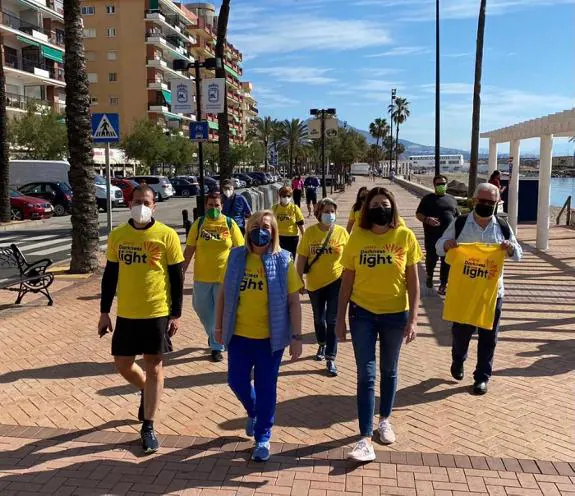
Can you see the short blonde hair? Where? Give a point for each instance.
(255, 221)
(324, 202)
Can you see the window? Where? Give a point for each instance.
(112, 55)
(93, 100)
(112, 77)
(90, 56)
(88, 10)
(89, 32)
(111, 32)
(92, 77)
(114, 100)
(110, 9)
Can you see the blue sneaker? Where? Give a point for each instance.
(261, 452)
(250, 426)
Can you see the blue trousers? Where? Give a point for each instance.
(204, 302)
(365, 329)
(259, 399)
(324, 305)
(485, 347)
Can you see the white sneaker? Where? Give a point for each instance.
(386, 433)
(363, 452)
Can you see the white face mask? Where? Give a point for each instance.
(285, 200)
(141, 214)
(228, 193)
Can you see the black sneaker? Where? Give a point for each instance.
(331, 368)
(217, 356)
(320, 355)
(457, 371)
(429, 282)
(141, 409)
(150, 442)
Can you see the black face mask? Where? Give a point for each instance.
(484, 210)
(380, 216)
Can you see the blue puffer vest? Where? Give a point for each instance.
(276, 268)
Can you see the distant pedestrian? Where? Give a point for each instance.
(290, 220)
(144, 269)
(235, 206)
(436, 212)
(311, 184)
(297, 186)
(355, 213)
(258, 316)
(480, 226)
(495, 179)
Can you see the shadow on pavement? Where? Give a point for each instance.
(559, 359)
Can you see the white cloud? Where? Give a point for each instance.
(270, 98)
(450, 88)
(304, 75)
(402, 51)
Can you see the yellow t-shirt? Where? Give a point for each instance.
(144, 255)
(213, 247)
(327, 268)
(287, 218)
(473, 284)
(356, 216)
(252, 317)
(379, 263)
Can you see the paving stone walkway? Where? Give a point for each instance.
(67, 420)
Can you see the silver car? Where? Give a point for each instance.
(160, 184)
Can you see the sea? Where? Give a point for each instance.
(561, 188)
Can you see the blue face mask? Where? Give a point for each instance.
(328, 219)
(260, 237)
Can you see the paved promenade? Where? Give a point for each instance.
(67, 421)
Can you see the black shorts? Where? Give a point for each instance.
(311, 196)
(289, 243)
(141, 337)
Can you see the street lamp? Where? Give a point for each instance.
(211, 64)
(321, 113)
(393, 93)
(437, 93)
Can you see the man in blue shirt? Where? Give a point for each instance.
(311, 185)
(235, 206)
(480, 226)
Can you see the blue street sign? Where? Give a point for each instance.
(106, 128)
(199, 131)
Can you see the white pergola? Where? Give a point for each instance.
(561, 124)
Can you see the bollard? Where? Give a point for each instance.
(187, 225)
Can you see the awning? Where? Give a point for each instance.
(231, 71)
(27, 41)
(213, 125)
(167, 96)
(52, 54)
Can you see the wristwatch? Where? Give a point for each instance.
(296, 337)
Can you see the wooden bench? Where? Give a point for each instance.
(18, 275)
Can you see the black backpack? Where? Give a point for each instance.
(462, 219)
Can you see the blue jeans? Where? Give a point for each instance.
(365, 328)
(485, 347)
(204, 303)
(324, 305)
(259, 399)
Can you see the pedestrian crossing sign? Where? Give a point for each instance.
(105, 128)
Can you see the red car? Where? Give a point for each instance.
(127, 186)
(27, 207)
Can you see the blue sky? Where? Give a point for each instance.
(348, 54)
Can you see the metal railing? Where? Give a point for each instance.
(567, 209)
(22, 102)
(26, 27)
(28, 65)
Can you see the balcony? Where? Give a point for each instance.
(165, 109)
(163, 65)
(172, 51)
(23, 103)
(33, 30)
(159, 85)
(49, 73)
(170, 22)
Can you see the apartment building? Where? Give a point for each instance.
(131, 47)
(32, 34)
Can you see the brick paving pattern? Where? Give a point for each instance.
(67, 420)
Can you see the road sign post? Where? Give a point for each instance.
(106, 129)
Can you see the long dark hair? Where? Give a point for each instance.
(495, 174)
(365, 223)
(358, 203)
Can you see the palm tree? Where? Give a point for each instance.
(475, 120)
(379, 129)
(261, 131)
(294, 135)
(399, 113)
(84, 211)
(226, 169)
(4, 162)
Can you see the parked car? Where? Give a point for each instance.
(260, 177)
(211, 183)
(245, 178)
(237, 183)
(102, 194)
(27, 207)
(127, 186)
(59, 194)
(185, 186)
(160, 184)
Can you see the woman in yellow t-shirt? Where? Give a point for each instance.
(356, 209)
(320, 252)
(381, 285)
(210, 239)
(258, 315)
(290, 220)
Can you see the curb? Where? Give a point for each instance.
(24, 224)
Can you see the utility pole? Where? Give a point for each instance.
(437, 94)
(391, 129)
(201, 204)
(321, 113)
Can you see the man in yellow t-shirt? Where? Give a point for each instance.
(144, 268)
(210, 239)
(290, 220)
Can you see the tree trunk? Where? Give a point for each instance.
(475, 123)
(396, 146)
(266, 165)
(226, 168)
(4, 150)
(84, 211)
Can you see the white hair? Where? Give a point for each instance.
(487, 187)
